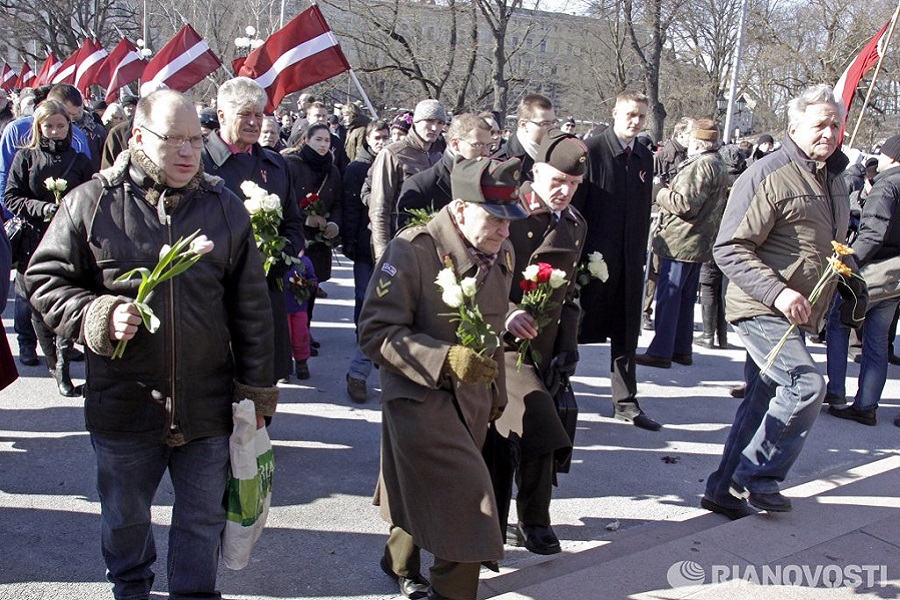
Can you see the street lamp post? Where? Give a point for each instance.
(249, 43)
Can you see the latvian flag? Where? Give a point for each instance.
(845, 88)
(90, 62)
(8, 77)
(48, 70)
(26, 77)
(303, 53)
(123, 66)
(66, 71)
(183, 62)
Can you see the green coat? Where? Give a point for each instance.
(433, 482)
(691, 209)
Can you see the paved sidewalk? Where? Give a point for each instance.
(842, 540)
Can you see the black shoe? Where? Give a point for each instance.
(732, 512)
(835, 399)
(893, 359)
(858, 359)
(897, 421)
(28, 356)
(301, 369)
(648, 360)
(313, 343)
(683, 359)
(639, 420)
(539, 539)
(75, 355)
(866, 417)
(767, 501)
(738, 391)
(285, 379)
(646, 323)
(313, 351)
(356, 389)
(410, 587)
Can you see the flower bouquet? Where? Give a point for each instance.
(302, 287)
(834, 267)
(266, 217)
(473, 331)
(173, 260)
(538, 283)
(58, 188)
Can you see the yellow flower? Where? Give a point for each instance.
(839, 267)
(842, 249)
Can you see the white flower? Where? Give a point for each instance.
(469, 289)
(251, 190)
(270, 203)
(531, 272)
(597, 266)
(453, 296)
(557, 278)
(202, 245)
(252, 205)
(164, 250)
(445, 278)
(56, 185)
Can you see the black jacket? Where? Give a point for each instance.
(216, 324)
(615, 201)
(355, 234)
(428, 189)
(879, 227)
(513, 149)
(27, 196)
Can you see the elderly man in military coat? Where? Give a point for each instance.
(615, 201)
(438, 396)
(553, 233)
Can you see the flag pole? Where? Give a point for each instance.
(881, 54)
(365, 96)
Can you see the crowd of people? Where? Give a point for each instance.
(538, 239)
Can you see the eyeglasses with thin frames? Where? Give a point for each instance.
(176, 142)
(543, 124)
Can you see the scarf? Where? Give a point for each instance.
(320, 165)
(154, 180)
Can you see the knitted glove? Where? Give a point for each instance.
(468, 367)
(49, 210)
(855, 296)
(316, 221)
(331, 230)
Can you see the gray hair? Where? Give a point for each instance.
(239, 92)
(704, 145)
(817, 94)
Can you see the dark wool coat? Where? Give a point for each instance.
(428, 189)
(330, 191)
(434, 482)
(615, 202)
(267, 169)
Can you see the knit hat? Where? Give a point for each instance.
(892, 147)
(402, 122)
(491, 183)
(765, 139)
(563, 152)
(430, 110)
(705, 130)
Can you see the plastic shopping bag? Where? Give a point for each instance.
(249, 486)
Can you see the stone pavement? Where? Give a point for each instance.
(626, 513)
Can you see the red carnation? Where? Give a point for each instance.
(528, 285)
(544, 271)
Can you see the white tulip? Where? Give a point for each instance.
(468, 286)
(453, 296)
(557, 278)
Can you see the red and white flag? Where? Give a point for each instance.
(90, 61)
(47, 70)
(845, 88)
(123, 65)
(183, 62)
(302, 53)
(8, 77)
(66, 71)
(26, 77)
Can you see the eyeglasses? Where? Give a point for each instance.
(543, 124)
(176, 142)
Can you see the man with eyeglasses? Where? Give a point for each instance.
(535, 118)
(166, 403)
(234, 154)
(469, 136)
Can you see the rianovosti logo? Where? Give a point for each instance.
(687, 572)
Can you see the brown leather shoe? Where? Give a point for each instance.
(648, 360)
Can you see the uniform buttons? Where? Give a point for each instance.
(530, 234)
(577, 242)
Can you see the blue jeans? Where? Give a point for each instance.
(22, 317)
(128, 474)
(873, 370)
(676, 293)
(776, 416)
(360, 364)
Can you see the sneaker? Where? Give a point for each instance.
(302, 369)
(738, 391)
(356, 389)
